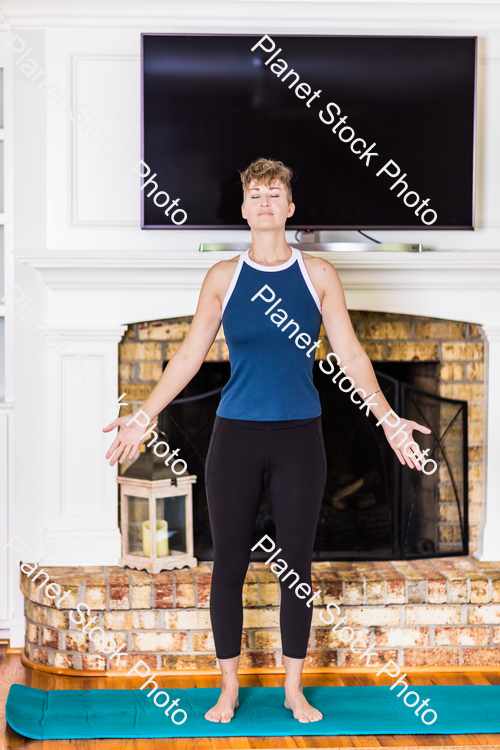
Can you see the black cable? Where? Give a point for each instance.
(379, 242)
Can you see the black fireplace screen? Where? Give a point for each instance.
(373, 508)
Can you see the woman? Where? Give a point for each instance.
(268, 418)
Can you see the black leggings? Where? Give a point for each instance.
(240, 452)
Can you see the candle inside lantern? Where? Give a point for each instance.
(161, 539)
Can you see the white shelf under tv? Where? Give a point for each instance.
(334, 247)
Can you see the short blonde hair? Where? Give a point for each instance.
(267, 171)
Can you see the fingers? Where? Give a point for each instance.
(413, 463)
(414, 458)
(118, 452)
(111, 426)
(400, 457)
(411, 457)
(406, 460)
(116, 442)
(410, 461)
(128, 452)
(420, 428)
(122, 451)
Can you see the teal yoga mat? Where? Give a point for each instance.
(98, 714)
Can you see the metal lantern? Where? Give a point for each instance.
(156, 514)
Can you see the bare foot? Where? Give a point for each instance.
(302, 710)
(223, 710)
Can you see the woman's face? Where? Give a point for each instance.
(266, 206)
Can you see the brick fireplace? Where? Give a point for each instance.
(455, 348)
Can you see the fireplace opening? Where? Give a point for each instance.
(373, 508)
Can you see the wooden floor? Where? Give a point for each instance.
(11, 671)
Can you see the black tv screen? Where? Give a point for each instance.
(387, 143)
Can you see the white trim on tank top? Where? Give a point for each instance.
(295, 256)
(236, 274)
(308, 281)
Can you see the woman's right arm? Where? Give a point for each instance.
(184, 364)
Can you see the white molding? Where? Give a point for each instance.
(80, 546)
(266, 16)
(81, 507)
(74, 135)
(490, 524)
(17, 627)
(113, 333)
(155, 258)
(5, 480)
(170, 270)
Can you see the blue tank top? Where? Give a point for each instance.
(271, 317)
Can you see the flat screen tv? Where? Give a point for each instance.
(378, 130)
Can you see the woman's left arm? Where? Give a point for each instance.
(352, 357)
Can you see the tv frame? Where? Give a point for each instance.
(327, 227)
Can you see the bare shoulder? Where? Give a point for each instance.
(219, 277)
(320, 271)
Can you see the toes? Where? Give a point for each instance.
(316, 716)
(212, 716)
(221, 716)
(305, 716)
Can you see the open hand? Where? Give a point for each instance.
(407, 450)
(127, 441)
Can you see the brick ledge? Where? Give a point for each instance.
(439, 612)
(452, 580)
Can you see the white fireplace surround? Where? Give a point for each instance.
(93, 295)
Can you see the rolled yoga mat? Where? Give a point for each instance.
(98, 714)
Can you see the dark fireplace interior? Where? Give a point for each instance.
(373, 508)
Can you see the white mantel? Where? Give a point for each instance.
(94, 294)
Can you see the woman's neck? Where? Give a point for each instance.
(269, 248)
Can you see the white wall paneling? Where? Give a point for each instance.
(80, 486)
(11, 598)
(11, 601)
(105, 125)
(4, 514)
